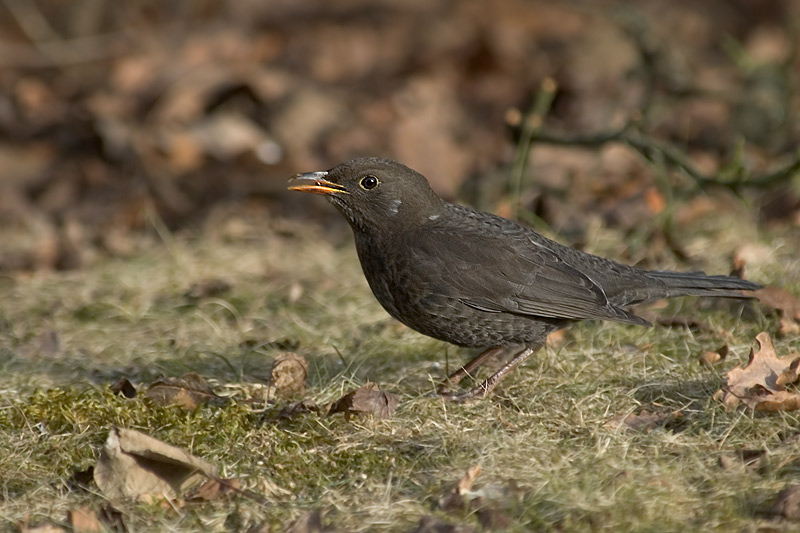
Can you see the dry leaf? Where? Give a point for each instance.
(288, 375)
(188, 391)
(761, 383)
(743, 460)
(786, 304)
(135, 465)
(84, 520)
(789, 375)
(710, 358)
(112, 519)
(208, 288)
(556, 339)
(367, 400)
(214, 489)
(456, 499)
(123, 387)
(788, 327)
(779, 299)
(787, 504)
(297, 408)
(466, 483)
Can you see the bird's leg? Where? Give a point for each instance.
(464, 371)
(487, 386)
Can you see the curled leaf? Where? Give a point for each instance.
(288, 375)
(134, 465)
(188, 391)
(761, 384)
(367, 400)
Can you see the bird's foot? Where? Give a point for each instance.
(481, 391)
(485, 388)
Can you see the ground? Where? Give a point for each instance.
(552, 451)
(146, 233)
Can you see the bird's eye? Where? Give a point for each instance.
(369, 182)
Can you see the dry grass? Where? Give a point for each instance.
(550, 458)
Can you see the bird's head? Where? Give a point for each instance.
(373, 192)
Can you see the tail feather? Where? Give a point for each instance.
(700, 281)
(666, 284)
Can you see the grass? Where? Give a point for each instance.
(550, 459)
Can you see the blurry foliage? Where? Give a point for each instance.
(118, 117)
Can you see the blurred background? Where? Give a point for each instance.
(119, 119)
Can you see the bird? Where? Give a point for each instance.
(478, 280)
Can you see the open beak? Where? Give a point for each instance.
(315, 182)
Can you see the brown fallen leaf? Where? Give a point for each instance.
(788, 327)
(557, 339)
(208, 288)
(123, 387)
(645, 421)
(134, 465)
(367, 400)
(779, 299)
(743, 459)
(188, 391)
(790, 374)
(112, 519)
(787, 503)
(84, 520)
(214, 489)
(761, 384)
(787, 305)
(297, 408)
(288, 375)
(711, 358)
(750, 254)
(456, 498)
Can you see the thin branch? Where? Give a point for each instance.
(654, 151)
(530, 125)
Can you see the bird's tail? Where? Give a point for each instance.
(666, 284)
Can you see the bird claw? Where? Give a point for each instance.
(481, 391)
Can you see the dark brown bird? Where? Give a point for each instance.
(479, 280)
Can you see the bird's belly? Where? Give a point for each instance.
(426, 305)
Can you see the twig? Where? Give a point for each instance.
(530, 124)
(653, 151)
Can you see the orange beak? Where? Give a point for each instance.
(315, 183)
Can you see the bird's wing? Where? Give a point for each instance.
(512, 273)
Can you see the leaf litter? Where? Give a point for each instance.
(644, 421)
(762, 383)
(188, 391)
(288, 375)
(486, 502)
(366, 400)
(134, 465)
